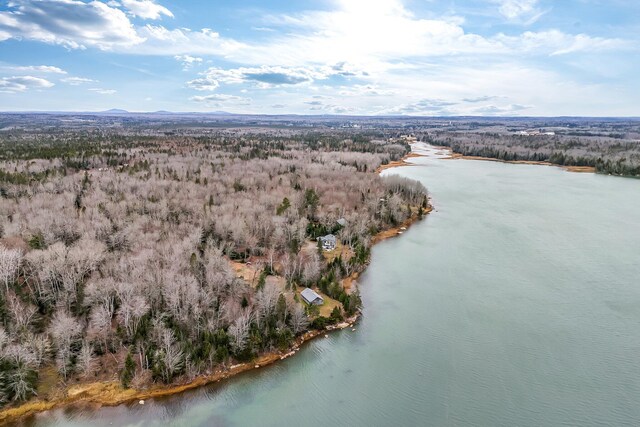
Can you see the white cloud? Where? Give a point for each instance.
(431, 107)
(263, 76)
(554, 42)
(37, 69)
(385, 57)
(217, 97)
(493, 110)
(71, 23)
(321, 107)
(188, 61)
(379, 36)
(76, 81)
(269, 76)
(371, 37)
(23, 83)
(146, 9)
(219, 100)
(365, 90)
(204, 84)
(78, 25)
(516, 9)
(103, 91)
(541, 90)
(159, 40)
(483, 98)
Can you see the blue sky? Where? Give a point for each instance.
(364, 57)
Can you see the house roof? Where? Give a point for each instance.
(329, 237)
(310, 295)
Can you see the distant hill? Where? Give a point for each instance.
(113, 111)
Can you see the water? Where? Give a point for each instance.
(515, 303)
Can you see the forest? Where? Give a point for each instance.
(608, 153)
(153, 256)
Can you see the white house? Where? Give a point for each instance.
(329, 242)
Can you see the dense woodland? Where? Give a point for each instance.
(609, 154)
(117, 247)
(155, 248)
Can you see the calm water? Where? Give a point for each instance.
(516, 303)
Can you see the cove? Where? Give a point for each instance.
(516, 302)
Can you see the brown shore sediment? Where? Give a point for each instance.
(579, 169)
(397, 163)
(111, 393)
(397, 231)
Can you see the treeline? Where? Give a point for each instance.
(606, 156)
(126, 268)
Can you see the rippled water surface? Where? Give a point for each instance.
(517, 302)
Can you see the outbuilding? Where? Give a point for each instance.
(311, 297)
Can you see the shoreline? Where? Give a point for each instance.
(576, 169)
(398, 163)
(111, 393)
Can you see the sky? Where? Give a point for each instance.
(353, 57)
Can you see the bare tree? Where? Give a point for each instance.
(132, 307)
(22, 313)
(239, 332)
(311, 268)
(10, 260)
(64, 329)
(299, 320)
(40, 347)
(266, 300)
(169, 351)
(86, 359)
(100, 321)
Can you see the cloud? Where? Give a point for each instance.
(22, 83)
(71, 23)
(159, 40)
(103, 91)
(76, 81)
(496, 110)
(217, 97)
(479, 99)
(146, 9)
(204, 84)
(267, 76)
(384, 35)
(389, 56)
(218, 100)
(77, 24)
(328, 108)
(516, 9)
(362, 38)
(37, 68)
(554, 42)
(424, 107)
(365, 90)
(264, 76)
(188, 61)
